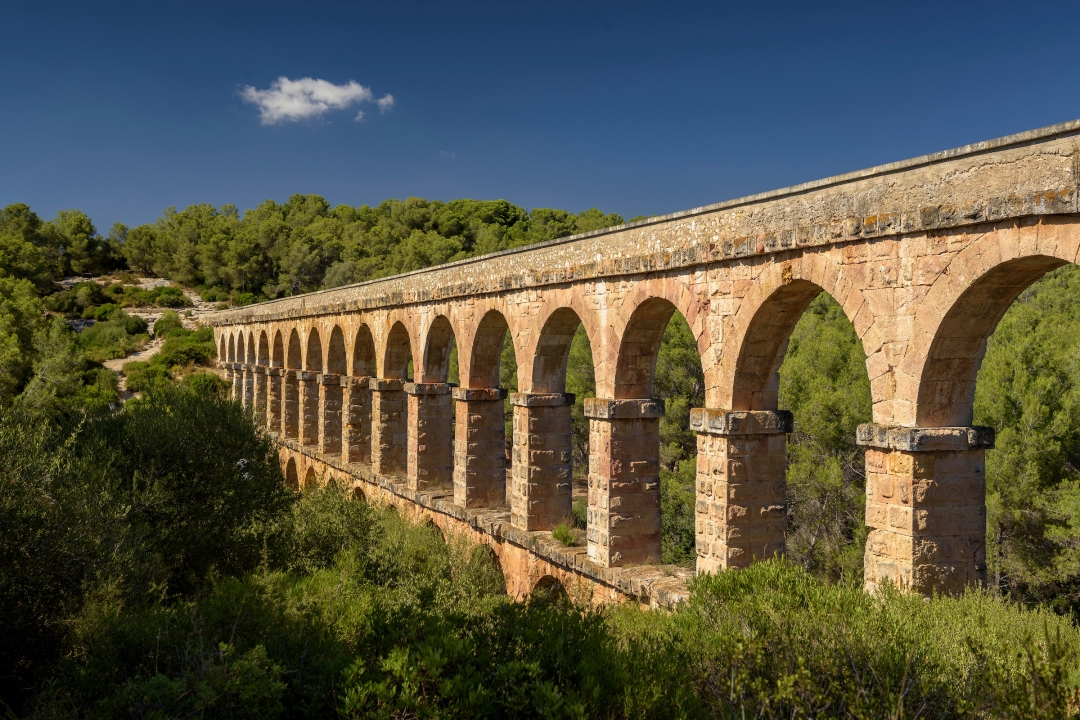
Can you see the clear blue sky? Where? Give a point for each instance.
(123, 109)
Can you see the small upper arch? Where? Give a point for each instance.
(335, 353)
(396, 353)
(363, 354)
(264, 349)
(294, 358)
(437, 349)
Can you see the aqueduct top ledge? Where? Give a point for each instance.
(1030, 173)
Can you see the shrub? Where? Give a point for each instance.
(141, 377)
(105, 311)
(168, 322)
(214, 294)
(564, 534)
(171, 297)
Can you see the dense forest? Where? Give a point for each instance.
(307, 605)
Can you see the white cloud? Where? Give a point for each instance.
(295, 100)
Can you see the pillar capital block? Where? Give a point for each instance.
(307, 376)
(635, 409)
(260, 369)
(274, 372)
(741, 422)
(381, 385)
(356, 382)
(478, 394)
(915, 439)
(415, 388)
(541, 399)
(329, 379)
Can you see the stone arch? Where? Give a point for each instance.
(335, 354)
(358, 494)
(548, 372)
(310, 476)
(313, 358)
(251, 354)
(755, 382)
(638, 348)
(240, 343)
(277, 357)
(397, 353)
(222, 348)
(550, 588)
(440, 341)
(292, 479)
(487, 347)
(294, 359)
(946, 384)
(363, 354)
(263, 356)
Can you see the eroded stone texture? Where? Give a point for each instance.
(624, 481)
(741, 512)
(388, 429)
(430, 457)
(260, 395)
(542, 475)
(356, 415)
(330, 432)
(923, 256)
(290, 403)
(309, 407)
(273, 400)
(925, 505)
(479, 447)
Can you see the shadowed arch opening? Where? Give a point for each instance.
(292, 480)
(437, 351)
(358, 494)
(487, 351)
(310, 477)
(363, 359)
(240, 343)
(264, 349)
(483, 572)
(947, 385)
(335, 354)
(277, 358)
(548, 588)
(398, 355)
(294, 359)
(553, 351)
(639, 347)
(222, 349)
(314, 356)
(757, 379)
(251, 356)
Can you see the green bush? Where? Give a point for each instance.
(141, 376)
(564, 534)
(115, 337)
(171, 297)
(168, 322)
(214, 294)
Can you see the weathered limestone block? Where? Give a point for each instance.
(741, 512)
(290, 403)
(479, 447)
(356, 417)
(926, 507)
(624, 480)
(430, 459)
(330, 429)
(388, 429)
(273, 399)
(309, 407)
(260, 395)
(249, 386)
(542, 475)
(237, 382)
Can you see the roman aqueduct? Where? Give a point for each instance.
(924, 256)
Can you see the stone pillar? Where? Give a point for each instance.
(356, 418)
(309, 407)
(237, 382)
(290, 403)
(388, 431)
(541, 479)
(273, 399)
(624, 480)
(926, 507)
(479, 447)
(249, 386)
(260, 395)
(330, 429)
(431, 450)
(741, 485)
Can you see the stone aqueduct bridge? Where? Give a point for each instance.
(924, 256)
